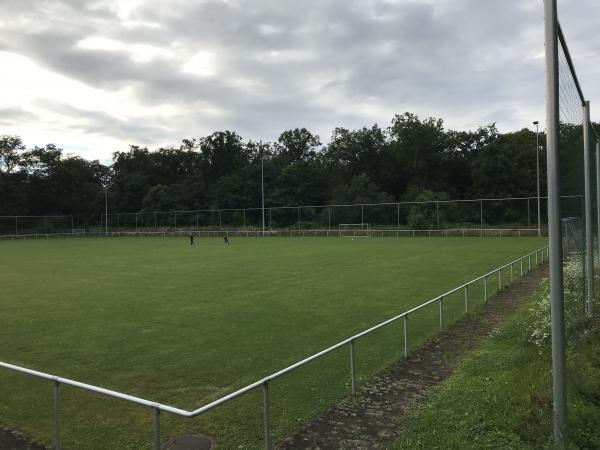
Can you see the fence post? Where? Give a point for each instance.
(511, 272)
(485, 294)
(157, 428)
(267, 425)
(500, 280)
(441, 304)
(589, 232)
(529, 264)
(57, 438)
(405, 321)
(481, 217)
(466, 299)
(352, 367)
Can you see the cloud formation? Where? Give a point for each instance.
(104, 74)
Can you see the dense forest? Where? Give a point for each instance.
(412, 159)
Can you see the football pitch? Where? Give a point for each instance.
(181, 325)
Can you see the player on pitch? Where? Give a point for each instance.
(191, 239)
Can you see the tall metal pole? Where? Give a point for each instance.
(537, 164)
(598, 192)
(554, 224)
(106, 210)
(262, 188)
(589, 246)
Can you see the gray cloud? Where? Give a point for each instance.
(14, 116)
(316, 63)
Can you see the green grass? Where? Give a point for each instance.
(501, 398)
(184, 326)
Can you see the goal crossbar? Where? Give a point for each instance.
(353, 230)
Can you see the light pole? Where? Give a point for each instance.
(537, 164)
(106, 210)
(262, 189)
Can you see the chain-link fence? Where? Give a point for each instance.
(485, 213)
(23, 225)
(570, 168)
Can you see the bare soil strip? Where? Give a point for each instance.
(372, 419)
(15, 441)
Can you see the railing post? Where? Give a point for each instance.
(57, 438)
(485, 294)
(405, 321)
(466, 299)
(441, 305)
(529, 265)
(157, 429)
(521, 266)
(536, 258)
(499, 280)
(511, 272)
(352, 367)
(267, 423)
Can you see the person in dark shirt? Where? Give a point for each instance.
(225, 240)
(191, 239)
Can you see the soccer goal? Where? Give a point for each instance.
(353, 230)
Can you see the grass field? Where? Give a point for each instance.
(186, 325)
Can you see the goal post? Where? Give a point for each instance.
(353, 230)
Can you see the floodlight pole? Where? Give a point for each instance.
(537, 164)
(262, 187)
(106, 210)
(554, 224)
(589, 246)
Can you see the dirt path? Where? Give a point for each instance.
(373, 418)
(14, 441)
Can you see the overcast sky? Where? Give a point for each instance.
(94, 77)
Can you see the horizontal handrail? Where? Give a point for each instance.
(267, 379)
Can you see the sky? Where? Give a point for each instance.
(96, 76)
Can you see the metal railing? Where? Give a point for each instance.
(524, 262)
(450, 232)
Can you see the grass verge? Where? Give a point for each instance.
(501, 397)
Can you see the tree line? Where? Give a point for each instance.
(412, 159)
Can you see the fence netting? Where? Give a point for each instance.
(572, 129)
(477, 214)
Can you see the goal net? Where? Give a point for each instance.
(353, 230)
